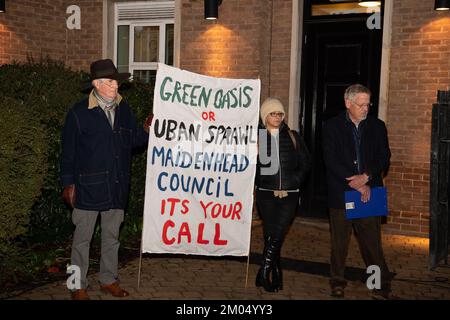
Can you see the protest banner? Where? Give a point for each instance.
(201, 163)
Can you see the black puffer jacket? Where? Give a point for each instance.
(295, 161)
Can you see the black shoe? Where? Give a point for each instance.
(264, 273)
(277, 275)
(259, 277)
(258, 281)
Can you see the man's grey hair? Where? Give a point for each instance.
(100, 80)
(355, 89)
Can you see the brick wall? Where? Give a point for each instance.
(251, 41)
(251, 44)
(420, 65)
(227, 47)
(240, 43)
(265, 43)
(247, 41)
(37, 28)
(281, 50)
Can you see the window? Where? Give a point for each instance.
(144, 37)
(343, 7)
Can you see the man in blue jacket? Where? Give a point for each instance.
(356, 154)
(97, 139)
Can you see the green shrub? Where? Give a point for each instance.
(38, 96)
(23, 152)
(23, 159)
(48, 89)
(140, 98)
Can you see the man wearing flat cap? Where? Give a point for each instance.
(97, 139)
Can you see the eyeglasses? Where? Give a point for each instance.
(360, 106)
(109, 83)
(277, 114)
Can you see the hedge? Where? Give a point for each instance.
(23, 150)
(34, 100)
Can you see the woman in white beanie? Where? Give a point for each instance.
(283, 163)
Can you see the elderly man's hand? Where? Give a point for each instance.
(69, 195)
(365, 193)
(148, 122)
(357, 181)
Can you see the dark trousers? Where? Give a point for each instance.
(368, 234)
(276, 213)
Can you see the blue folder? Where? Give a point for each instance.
(377, 205)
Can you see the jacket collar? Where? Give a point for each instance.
(94, 103)
(283, 126)
(350, 122)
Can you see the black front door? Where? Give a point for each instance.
(336, 53)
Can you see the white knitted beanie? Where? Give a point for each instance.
(271, 105)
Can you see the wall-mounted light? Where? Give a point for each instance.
(442, 5)
(212, 9)
(2, 5)
(369, 4)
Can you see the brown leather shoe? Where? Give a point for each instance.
(337, 292)
(384, 295)
(80, 294)
(115, 290)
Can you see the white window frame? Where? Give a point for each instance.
(161, 23)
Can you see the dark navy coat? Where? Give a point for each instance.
(340, 154)
(97, 158)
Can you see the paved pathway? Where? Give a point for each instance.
(306, 269)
